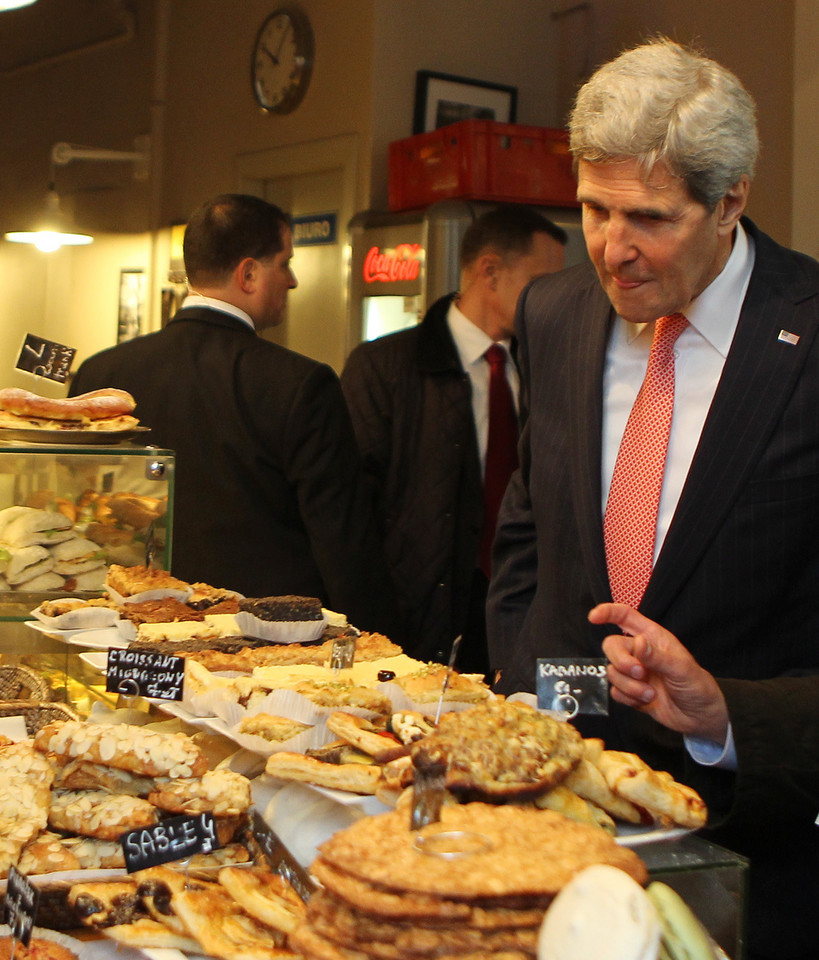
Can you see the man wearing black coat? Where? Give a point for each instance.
(418, 400)
(268, 493)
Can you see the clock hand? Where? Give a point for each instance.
(283, 38)
(272, 56)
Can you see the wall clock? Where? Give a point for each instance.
(282, 60)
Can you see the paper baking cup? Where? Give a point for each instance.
(280, 631)
(83, 618)
(127, 629)
(400, 701)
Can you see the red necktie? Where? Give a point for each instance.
(501, 449)
(630, 524)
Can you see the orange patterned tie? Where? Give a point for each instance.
(630, 524)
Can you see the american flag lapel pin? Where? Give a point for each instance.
(785, 336)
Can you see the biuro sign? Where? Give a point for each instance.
(393, 266)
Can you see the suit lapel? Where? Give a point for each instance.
(586, 360)
(758, 378)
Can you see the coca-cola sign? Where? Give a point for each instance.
(393, 266)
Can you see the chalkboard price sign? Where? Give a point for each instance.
(145, 673)
(279, 858)
(45, 358)
(20, 910)
(176, 838)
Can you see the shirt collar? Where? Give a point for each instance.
(197, 300)
(714, 314)
(470, 341)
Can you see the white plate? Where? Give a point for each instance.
(63, 635)
(634, 835)
(96, 437)
(100, 638)
(97, 660)
(103, 639)
(175, 709)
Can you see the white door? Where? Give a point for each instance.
(306, 180)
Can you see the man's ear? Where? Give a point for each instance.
(487, 267)
(732, 205)
(245, 274)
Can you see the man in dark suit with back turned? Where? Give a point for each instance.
(677, 476)
(267, 496)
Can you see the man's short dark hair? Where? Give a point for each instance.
(223, 231)
(508, 230)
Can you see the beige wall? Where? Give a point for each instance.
(805, 123)
(185, 78)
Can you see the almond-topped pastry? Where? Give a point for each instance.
(80, 774)
(127, 747)
(95, 813)
(221, 792)
(25, 789)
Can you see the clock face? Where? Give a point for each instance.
(282, 61)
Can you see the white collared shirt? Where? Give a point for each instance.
(472, 343)
(700, 354)
(197, 300)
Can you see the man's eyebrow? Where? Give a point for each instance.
(653, 212)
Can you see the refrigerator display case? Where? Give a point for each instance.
(400, 263)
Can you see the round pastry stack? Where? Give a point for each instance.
(476, 884)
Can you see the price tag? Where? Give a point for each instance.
(428, 789)
(45, 358)
(176, 838)
(20, 912)
(571, 686)
(145, 673)
(279, 858)
(343, 655)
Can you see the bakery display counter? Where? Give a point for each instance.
(324, 748)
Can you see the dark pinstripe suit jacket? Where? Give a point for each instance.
(738, 575)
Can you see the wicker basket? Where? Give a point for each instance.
(36, 713)
(21, 683)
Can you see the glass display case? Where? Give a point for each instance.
(67, 511)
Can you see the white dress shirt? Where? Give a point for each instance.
(472, 343)
(699, 353)
(197, 300)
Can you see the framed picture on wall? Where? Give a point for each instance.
(441, 98)
(132, 287)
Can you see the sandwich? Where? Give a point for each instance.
(88, 579)
(45, 582)
(31, 527)
(27, 563)
(77, 555)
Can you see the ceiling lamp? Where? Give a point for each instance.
(54, 230)
(14, 4)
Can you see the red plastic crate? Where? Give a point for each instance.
(482, 160)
